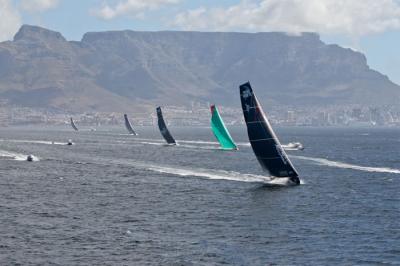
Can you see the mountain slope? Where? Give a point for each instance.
(126, 70)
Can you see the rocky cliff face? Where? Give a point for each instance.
(117, 71)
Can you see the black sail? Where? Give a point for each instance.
(163, 128)
(264, 142)
(128, 125)
(73, 124)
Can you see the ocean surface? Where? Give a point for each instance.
(116, 199)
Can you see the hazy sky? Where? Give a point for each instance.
(370, 26)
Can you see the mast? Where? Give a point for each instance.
(220, 131)
(163, 128)
(73, 124)
(264, 142)
(129, 126)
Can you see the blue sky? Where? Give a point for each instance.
(369, 26)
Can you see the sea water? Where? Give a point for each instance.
(116, 199)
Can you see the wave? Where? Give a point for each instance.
(322, 161)
(9, 155)
(33, 141)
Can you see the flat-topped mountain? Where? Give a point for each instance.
(129, 70)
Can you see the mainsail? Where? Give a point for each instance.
(128, 125)
(220, 131)
(163, 128)
(73, 124)
(264, 142)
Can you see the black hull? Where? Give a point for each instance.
(295, 180)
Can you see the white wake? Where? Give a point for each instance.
(209, 174)
(216, 174)
(322, 161)
(157, 142)
(8, 155)
(33, 141)
(198, 172)
(200, 143)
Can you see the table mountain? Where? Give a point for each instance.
(130, 70)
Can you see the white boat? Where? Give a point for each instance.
(293, 146)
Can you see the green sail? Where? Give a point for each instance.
(220, 131)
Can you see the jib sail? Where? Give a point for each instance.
(128, 125)
(163, 128)
(73, 124)
(220, 131)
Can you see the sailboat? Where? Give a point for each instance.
(129, 126)
(163, 128)
(73, 124)
(264, 142)
(220, 131)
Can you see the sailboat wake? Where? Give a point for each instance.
(212, 174)
(33, 141)
(218, 175)
(322, 161)
(198, 144)
(179, 144)
(201, 147)
(151, 143)
(8, 155)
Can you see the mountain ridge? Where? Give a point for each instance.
(128, 70)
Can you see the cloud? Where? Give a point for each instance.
(38, 5)
(130, 8)
(10, 20)
(355, 17)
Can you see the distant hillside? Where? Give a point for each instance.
(128, 70)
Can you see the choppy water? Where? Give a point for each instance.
(115, 199)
